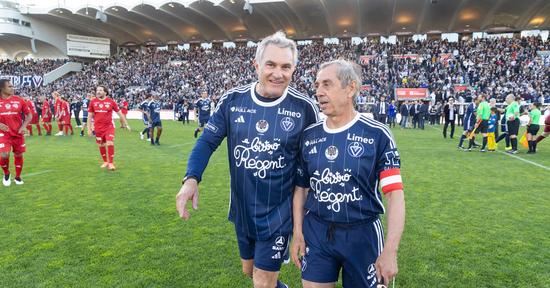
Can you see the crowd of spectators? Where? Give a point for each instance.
(496, 67)
(29, 66)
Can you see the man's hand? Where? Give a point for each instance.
(22, 130)
(298, 248)
(386, 266)
(189, 191)
(4, 127)
(90, 131)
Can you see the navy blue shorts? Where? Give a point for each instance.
(469, 125)
(203, 121)
(350, 248)
(85, 119)
(146, 122)
(156, 124)
(268, 254)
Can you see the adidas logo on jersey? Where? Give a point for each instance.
(276, 256)
(313, 150)
(240, 119)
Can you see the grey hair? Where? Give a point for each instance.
(347, 72)
(279, 40)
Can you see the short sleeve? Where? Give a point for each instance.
(388, 166)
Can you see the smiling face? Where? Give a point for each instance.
(274, 71)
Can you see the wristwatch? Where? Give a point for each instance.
(189, 177)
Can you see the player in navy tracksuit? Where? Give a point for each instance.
(144, 108)
(469, 123)
(154, 120)
(202, 109)
(345, 160)
(263, 123)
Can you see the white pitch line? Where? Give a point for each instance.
(525, 160)
(514, 156)
(37, 173)
(180, 145)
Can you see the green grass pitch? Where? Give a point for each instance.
(473, 219)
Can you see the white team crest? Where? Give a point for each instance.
(280, 241)
(8, 106)
(356, 149)
(262, 126)
(287, 124)
(331, 153)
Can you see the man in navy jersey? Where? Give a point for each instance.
(144, 108)
(85, 104)
(469, 125)
(202, 109)
(344, 160)
(154, 120)
(263, 122)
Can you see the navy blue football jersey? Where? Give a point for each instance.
(154, 111)
(263, 145)
(144, 106)
(203, 106)
(344, 169)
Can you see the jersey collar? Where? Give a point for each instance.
(266, 104)
(343, 128)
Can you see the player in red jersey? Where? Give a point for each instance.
(56, 111)
(123, 110)
(100, 111)
(46, 115)
(35, 117)
(65, 116)
(12, 130)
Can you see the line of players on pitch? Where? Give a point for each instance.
(17, 114)
(60, 110)
(151, 106)
(480, 117)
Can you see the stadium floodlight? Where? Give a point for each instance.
(248, 7)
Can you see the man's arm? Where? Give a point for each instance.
(386, 264)
(124, 121)
(28, 118)
(214, 133)
(298, 244)
(90, 123)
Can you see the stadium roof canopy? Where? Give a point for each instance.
(133, 21)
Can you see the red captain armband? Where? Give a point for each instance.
(390, 180)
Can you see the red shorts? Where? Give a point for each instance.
(547, 124)
(65, 120)
(8, 142)
(47, 120)
(34, 119)
(105, 135)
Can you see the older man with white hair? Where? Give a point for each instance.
(346, 161)
(263, 122)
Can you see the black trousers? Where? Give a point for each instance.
(76, 118)
(452, 123)
(382, 118)
(185, 117)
